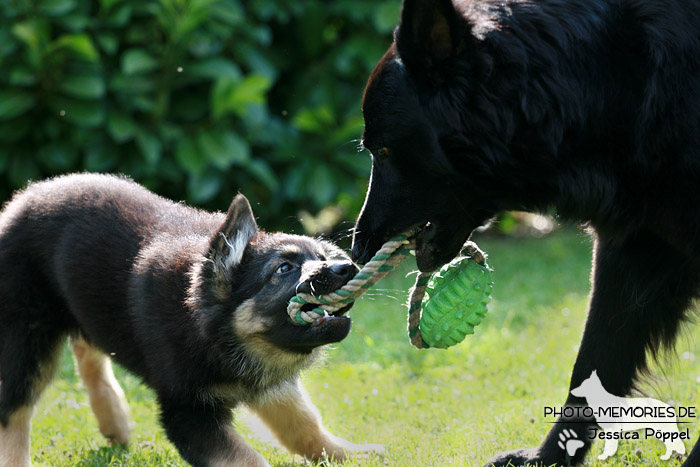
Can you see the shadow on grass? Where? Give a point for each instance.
(142, 454)
(105, 456)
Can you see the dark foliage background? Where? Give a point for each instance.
(196, 99)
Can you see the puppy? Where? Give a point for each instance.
(194, 303)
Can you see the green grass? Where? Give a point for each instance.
(453, 407)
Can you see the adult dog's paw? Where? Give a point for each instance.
(516, 458)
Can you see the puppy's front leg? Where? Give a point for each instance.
(295, 421)
(204, 435)
(106, 396)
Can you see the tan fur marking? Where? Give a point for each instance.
(246, 321)
(243, 455)
(291, 250)
(14, 439)
(106, 396)
(296, 422)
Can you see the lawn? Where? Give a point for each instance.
(438, 408)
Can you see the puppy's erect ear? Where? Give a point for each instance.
(430, 33)
(239, 228)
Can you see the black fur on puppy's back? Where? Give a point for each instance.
(170, 292)
(92, 227)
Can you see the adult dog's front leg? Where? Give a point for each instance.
(204, 435)
(295, 421)
(641, 289)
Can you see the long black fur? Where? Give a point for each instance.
(588, 107)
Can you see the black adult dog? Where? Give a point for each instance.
(591, 107)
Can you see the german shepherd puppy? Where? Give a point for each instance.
(192, 302)
(588, 107)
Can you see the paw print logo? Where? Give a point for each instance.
(568, 441)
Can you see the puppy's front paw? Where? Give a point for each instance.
(368, 448)
(345, 449)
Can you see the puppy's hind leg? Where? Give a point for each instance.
(28, 357)
(204, 434)
(106, 396)
(14, 438)
(295, 421)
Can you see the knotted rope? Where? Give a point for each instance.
(390, 255)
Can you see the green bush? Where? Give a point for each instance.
(196, 99)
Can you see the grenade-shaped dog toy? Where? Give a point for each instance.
(454, 303)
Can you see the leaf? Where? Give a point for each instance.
(386, 16)
(16, 129)
(230, 96)
(21, 75)
(149, 145)
(262, 171)
(130, 84)
(137, 61)
(34, 34)
(120, 127)
(214, 68)
(55, 7)
(7, 44)
(22, 169)
(107, 42)
(85, 86)
(204, 44)
(101, 158)
(58, 157)
(119, 15)
(85, 113)
(14, 103)
(203, 188)
(321, 186)
(223, 148)
(188, 156)
(258, 62)
(188, 107)
(4, 156)
(79, 45)
(315, 119)
(229, 12)
(75, 22)
(220, 96)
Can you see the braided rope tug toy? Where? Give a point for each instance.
(443, 307)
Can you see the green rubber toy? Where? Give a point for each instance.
(455, 302)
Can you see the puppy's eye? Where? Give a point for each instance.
(284, 267)
(382, 153)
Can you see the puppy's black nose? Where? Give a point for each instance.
(344, 271)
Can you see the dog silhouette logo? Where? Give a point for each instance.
(617, 416)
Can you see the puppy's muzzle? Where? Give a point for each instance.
(325, 277)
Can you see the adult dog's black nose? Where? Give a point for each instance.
(343, 271)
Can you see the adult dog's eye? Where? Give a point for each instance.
(284, 267)
(382, 153)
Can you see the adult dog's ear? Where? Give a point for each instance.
(229, 242)
(431, 32)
